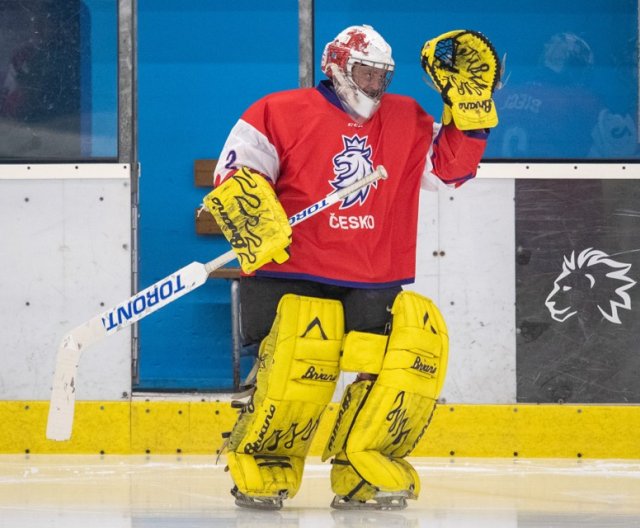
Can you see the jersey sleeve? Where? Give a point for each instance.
(454, 155)
(249, 145)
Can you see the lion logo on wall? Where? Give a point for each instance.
(590, 284)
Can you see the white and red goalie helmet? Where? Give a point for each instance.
(358, 45)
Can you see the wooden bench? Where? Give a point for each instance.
(204, 222)
(206, 226)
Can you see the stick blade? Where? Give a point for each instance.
(123, 315)
(60, 422)
(63, 393)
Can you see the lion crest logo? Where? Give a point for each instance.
(351, 165)
(590, 284)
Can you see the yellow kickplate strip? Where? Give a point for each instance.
(166, 427)
(98, 427)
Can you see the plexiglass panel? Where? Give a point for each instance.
(58, 80)
(571, 89)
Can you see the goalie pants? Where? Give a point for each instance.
(366, 310)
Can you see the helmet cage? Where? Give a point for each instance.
(386, 68)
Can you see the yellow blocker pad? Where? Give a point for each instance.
(251, 218)
(380, 422)
(298, 370)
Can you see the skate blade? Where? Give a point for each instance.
(257, 503)
(386, 503)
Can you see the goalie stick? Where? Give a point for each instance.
(143, 303)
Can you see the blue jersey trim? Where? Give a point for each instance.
(461, 179)
(326, 89)
(333, 282)
(477, 134)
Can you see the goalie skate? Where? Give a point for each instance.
(258, 503)
(382, 501)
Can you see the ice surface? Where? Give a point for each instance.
(192, 491)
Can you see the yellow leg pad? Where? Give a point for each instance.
(363, 352)
(388, 418)
(352, 399)
(418, 348)
(264, 475)
(394, 474)
(391, 421)
(387, 427)
(299, 367)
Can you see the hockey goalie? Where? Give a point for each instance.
(328, 296)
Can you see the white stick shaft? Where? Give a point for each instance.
(143, 303)
(379, 174)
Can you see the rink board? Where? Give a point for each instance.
(195, 427)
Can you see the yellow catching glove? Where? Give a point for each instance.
(465, 70)
(250, 216)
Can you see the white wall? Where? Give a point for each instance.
(472, 280)
(65, 256)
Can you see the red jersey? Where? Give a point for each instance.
(308, 146)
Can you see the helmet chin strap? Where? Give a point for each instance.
(356, 103)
